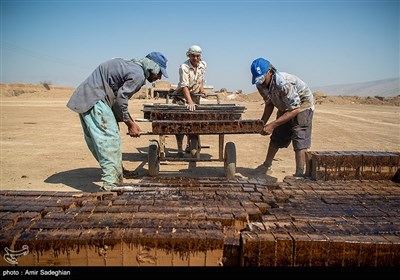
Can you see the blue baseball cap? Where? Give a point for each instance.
(161, 60)
(259, 68)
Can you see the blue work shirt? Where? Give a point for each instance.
(287, 92)
(114, 81)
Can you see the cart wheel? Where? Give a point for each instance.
(194, 146)
(154, 159)
(230, 160)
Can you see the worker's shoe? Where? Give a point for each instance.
(299, 174)
(107, 187)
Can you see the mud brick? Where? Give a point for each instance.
(26, 238)
(52, 258)
(264, 207)
(88, 207)
(49, 224)
(96, 218)
(267, 249)
(367, 256)
(51, 247)
(124, 209)
(198, 248)
(110, 221)
(350, 165)
(248, 188)
(96, 256)
(181, 248)
(387, 250)
(284, 249)
(132, 235)
(198, 213)
(184, 224)
(206, 127)
(7, 239)
(164, 257)
(270, 225)
(318, 169)
(331, 166)
(254, 214)
(168, 209)
(320, 250)
(302, 249)
(227, 219)
(100, 209)
(212, 210)
(379, 165)
(250, 249)
(214, 257)
(141, 201)
(29, 207)
(138, 223)
(130, 253)
(255, 197)
(241, 218)
(9, 207)
(119, 202)
(78, 256)
(302, 225)
(384, 251)
(395, 248)
(336, 250)
(6, 224)
(52, 209)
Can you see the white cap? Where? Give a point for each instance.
(194, 50)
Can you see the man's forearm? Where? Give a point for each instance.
(287, 116)
(268, 109)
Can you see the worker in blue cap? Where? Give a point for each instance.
(295, 103)
(102, 101)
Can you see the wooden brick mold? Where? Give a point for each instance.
(352, 165)
(173, 221)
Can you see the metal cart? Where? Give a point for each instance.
(208, 119)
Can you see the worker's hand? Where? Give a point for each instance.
(204, 95)
(267, 130)
(191, 106)
(134, 130)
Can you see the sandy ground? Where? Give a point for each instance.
(42, 146)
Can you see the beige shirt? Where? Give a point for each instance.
(191, 77)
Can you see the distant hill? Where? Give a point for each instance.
(383, 88)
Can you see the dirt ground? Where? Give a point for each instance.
(42, 145)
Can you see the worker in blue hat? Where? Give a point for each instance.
(295, 104)
(102, 101)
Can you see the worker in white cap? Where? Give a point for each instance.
(191, 82)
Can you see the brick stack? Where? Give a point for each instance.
(352, 165)
(206, 222)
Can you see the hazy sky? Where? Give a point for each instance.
(322, 42)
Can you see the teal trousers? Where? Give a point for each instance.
(102, 136)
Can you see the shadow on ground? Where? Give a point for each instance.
(192, 170)
(81, 179)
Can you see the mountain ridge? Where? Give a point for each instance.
(384, 88)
